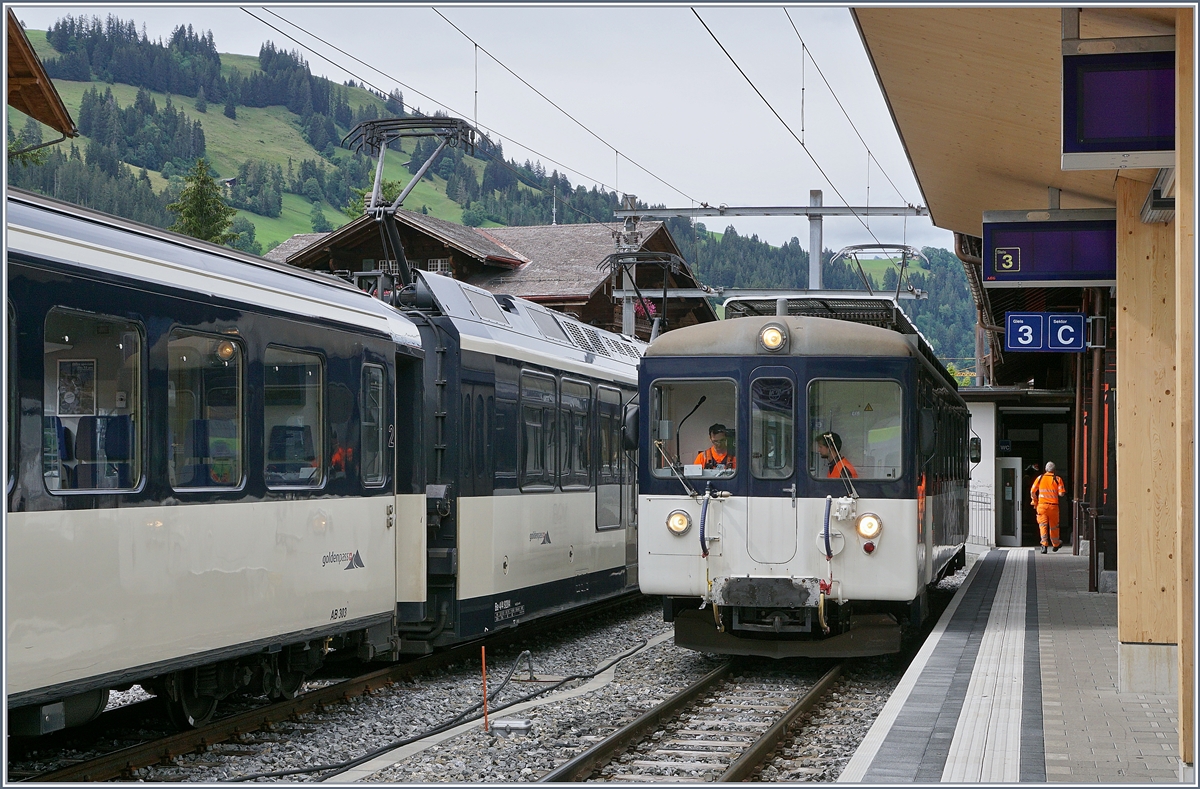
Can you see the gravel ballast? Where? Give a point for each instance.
(822, 742)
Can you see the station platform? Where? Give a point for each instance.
(1018, 682)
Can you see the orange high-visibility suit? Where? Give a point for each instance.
(1045, 492)
(710, 459)
(843, 468)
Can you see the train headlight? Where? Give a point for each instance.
(868, 526)
(678, 522)
(773, 337)
(225, 350)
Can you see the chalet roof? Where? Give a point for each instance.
(293, 245)
(29, 88)
(477, 243)
(562, 259)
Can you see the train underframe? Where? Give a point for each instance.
(812, 626)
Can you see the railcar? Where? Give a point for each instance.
(531, 495)
(776, 551)
(220, 468)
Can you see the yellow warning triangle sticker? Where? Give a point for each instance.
(868, 408)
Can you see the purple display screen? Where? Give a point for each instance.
(1119, 102)
(1017, 252)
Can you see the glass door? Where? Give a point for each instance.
(771, 528)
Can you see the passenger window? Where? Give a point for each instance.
(481, 438)
(14, 399)
(373, 472)
(538, 430)
(772, 428)
(92, 420)
(576, 415)
(293, 416)
(855, 428)
(693, 428)
(204, 410)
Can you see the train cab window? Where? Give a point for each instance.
(772, 428)
(373, 471)
(92, 417)
(539, 432)
(575, 420)
(855, 428)
(293, 416)
(684, 416)
(204, 410)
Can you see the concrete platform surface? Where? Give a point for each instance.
(1017, 683)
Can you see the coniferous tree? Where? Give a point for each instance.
(201, 102)
(201, 210)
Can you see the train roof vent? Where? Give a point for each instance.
(577, 336)
(597, 340)
(622, 348)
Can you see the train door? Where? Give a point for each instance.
(628, 502)
(399, 434)
(612, 490)
(1008, 502)
(772, 520)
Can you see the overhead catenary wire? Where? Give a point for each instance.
(774, 112)
(555, 105)
(498, 160)
(805, 50)
(496, 132)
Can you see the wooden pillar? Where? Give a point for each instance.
(1147, 513)
(1185, 381)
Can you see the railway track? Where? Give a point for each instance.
(122, 762)
(720, 728)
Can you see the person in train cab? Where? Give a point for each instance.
(719, 455)
(829, 447)
(1045, 492)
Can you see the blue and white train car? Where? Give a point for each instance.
(531, 493)
(201, 492)
(841, 499)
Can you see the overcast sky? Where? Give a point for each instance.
(649, 81)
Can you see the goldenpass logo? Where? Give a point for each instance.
(353, 560)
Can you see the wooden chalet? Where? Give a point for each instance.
(560, 266)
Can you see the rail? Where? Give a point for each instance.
(122, 763)
(584, 764)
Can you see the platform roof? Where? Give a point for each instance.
(975, 94)
(29, 89)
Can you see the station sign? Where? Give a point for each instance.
(1074, 248)
(1118, 109)
(1057, 332)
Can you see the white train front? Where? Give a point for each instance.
(802, 482)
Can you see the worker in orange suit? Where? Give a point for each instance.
(719, 456)
(1045, 492)
(829, 447)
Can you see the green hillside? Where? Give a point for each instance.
(272, 134)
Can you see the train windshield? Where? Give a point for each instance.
(693, 428)
(856, 429)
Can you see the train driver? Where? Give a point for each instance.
(829, 447)
(718, 456)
